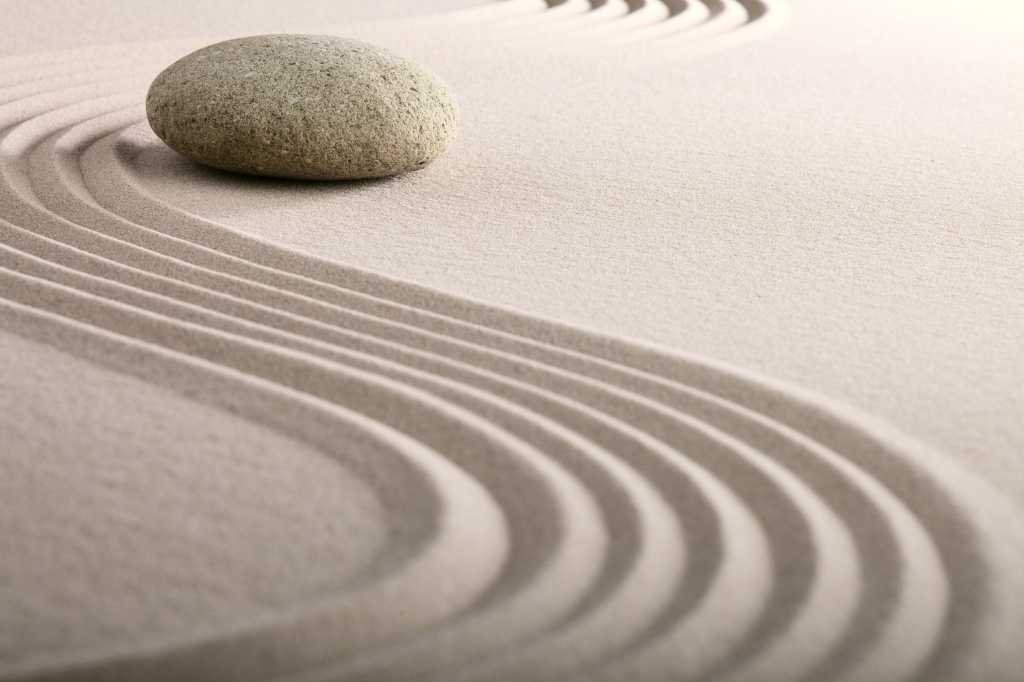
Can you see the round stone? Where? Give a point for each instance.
(302, 106)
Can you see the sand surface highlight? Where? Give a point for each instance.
(448, 489)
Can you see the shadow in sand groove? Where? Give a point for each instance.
(594, 509)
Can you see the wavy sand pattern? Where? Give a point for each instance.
(689, 26)
(562, 505)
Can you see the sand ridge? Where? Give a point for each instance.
(682, 27)
(597, 508)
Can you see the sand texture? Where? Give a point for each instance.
(696, 357)
(302, 106)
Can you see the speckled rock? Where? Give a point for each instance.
(302, 106)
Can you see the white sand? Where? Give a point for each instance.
(486, 421)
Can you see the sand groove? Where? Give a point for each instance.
(686, 26)
(565, 505)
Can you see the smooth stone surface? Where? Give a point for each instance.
(302, 106)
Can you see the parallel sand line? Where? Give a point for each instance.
(633, 512)
(491, 11)
(577, 23)
(611, 10)
(690, 515)
(692, 24)
(639, 15)
(855, 440)
(378, 350)
(553, 545)
(661, 558)
(551, 12)
(684, 18)
(695, 27)
(840, 534)
(953, 547)
(457, 510)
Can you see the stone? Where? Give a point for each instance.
(313, 107)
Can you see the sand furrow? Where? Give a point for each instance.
(548, 550)
(434, 508)
(743, 559)
(692, 26)
(566, 505)
(786, 597)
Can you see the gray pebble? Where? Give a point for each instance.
(302, 106)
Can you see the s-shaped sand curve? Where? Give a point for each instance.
(575, 506)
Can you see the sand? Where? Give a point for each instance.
(696, 357)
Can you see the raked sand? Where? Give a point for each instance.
(697, 357)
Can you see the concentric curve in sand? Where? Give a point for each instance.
(681, 27)
(595, 509)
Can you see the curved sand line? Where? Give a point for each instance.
(844, 551)
(425, 496)
(687, 26)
